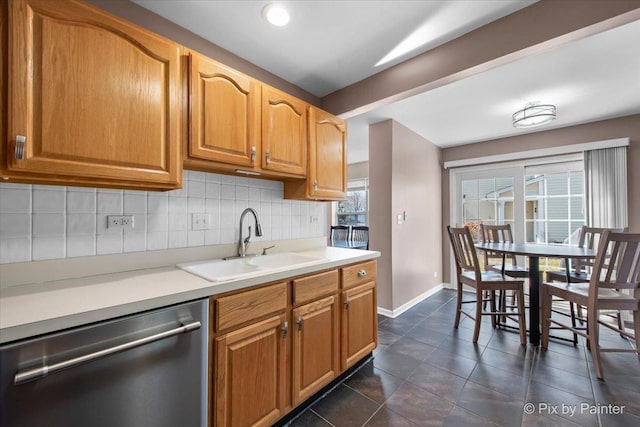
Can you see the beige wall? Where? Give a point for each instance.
(624, 127)
(380, 208)
(404, 176)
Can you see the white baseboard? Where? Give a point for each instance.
(404, 307)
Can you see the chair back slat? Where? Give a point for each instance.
(590, 239)
(496, 234)
(360, 233)
(464, 250)
(617, 263)
(339, 232)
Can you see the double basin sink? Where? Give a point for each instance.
(238, 268)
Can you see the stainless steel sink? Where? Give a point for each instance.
(237, 268)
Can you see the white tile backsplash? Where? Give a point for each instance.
(39, 222)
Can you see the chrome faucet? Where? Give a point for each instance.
(244, 244)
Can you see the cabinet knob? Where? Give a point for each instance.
(346, 304)
(315, 185)
(299, 322)
(21, 141)
(285, 329)
(362, 273)
(267, 157)
(253, 154)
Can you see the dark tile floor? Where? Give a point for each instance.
(426, 373)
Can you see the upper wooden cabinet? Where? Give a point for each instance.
(224, 116)
(327, 175)
(284, 133)
(92, 99)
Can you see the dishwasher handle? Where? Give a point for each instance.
(42, 371)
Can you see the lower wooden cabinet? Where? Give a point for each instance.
(274, 346)
(315, 347)
(250, 370)
(359, 323)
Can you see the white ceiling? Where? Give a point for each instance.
(331, 44)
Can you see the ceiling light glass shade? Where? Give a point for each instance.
(276, 15)
(534, 115)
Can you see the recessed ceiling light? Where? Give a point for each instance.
(275, 14)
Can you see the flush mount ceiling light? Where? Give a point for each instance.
(275, 14)
(534, 114)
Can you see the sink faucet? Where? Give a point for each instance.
(244, 244)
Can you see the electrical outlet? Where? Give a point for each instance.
(435, 274)
(313, 218)
(120, 221)
(200, 221)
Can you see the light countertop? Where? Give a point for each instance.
(33, 309)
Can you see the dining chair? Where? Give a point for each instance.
(501, 234)
(497, 262)
(468, 273)
(360, 233)
(579, 270)
(339, 232)
(614, 285)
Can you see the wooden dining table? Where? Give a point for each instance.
(534, 251)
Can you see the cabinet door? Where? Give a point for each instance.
(359, 323)
(315, 347)
(327, 156)
(224, 114)
(249, 374)
(96, 99)
(284, 133)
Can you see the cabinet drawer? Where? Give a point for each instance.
(312, 287)
(359, 273)
(234, 310)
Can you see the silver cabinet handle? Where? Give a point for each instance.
(43, 371)
(21, 141)
(299, 322)
(267, 157)
(285, 329)
(315, 185)
(346, 304)
(253, 154)
(362, 273)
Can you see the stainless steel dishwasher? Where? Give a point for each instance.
(147, 369)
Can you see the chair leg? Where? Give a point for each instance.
(493, 308)
(458, 307)
(521, 316)
(620, 323)
(546, 317)
(573, 322)
(476, 330)
(592, 328)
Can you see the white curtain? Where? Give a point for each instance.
(606, 187)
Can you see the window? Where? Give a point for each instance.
(488, 200)
(355, 209)
(554, 203)
(543, 203)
